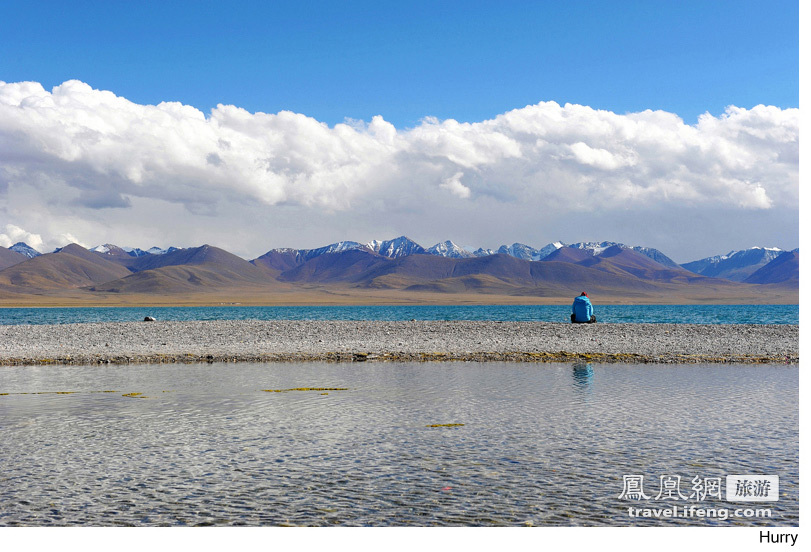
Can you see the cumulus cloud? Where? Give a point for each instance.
(14, 234)
(454, 185)
(89, 149)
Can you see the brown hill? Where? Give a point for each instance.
(618, 272)
(188, 270)
(569, 255)
(277, 261)
(355, 274)
(490, 274)
(409, 271)
(347, 266)
(205, 254)
(117, 255)
(9, 257)
(576, 278)
(73, 266)
(623, 261)
(179, 279)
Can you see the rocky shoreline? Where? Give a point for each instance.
(351, 341)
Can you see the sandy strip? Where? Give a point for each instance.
(285, 340)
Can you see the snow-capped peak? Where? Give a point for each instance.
(110, 249)
(520, 251)
(547, 250)
(398, 247)
(337, 247)
(449, 249)
(595, 248)
(134, 251)
(158, 251)
(769, 253)
(25, 249)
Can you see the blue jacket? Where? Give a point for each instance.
(582, 309)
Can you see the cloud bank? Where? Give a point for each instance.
(76, 153)
(14, 234)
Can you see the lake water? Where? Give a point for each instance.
(536, 444)
(676, 314)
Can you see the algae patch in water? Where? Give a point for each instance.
(42, 393)
(137, 395)
(306, 389)
(444, 425)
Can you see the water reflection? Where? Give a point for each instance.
(583, 375)
(398, 444)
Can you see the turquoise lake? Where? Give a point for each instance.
(675, 314)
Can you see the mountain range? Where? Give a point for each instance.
(391, 268)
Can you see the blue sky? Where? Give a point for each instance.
(486, 123)
(467, 60)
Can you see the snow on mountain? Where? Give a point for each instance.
(404, 246)
(394, 248)
(25, 249)
(740, 254)
(547, 250)
(337, 247)
(520, 251)
(449, 249)
(595, 248)
(398, 247)
(300, 256)
(784, 268)
(159, 251)
(735, 265)
(110, 249)
(135, 252)
(528, 253)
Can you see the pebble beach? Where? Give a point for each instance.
(356, 341)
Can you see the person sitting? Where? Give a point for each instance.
(582, 311)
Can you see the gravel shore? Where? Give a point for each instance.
(286, 340)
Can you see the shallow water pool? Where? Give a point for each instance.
(393, 444)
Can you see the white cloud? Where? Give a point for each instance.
(454, 185)
(101, 157)
(67, 238)
(598, 157)
(14, 234)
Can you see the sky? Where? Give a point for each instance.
(256, 125)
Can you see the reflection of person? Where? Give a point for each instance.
(582, 311)
(582, 374)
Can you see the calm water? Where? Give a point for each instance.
(541, 444)
(677, 314)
